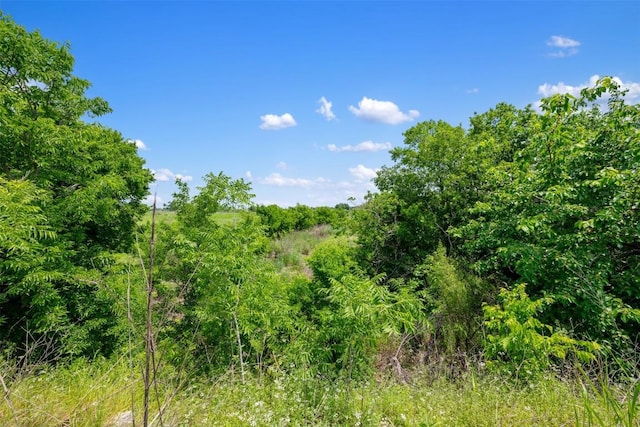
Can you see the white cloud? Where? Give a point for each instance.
(248, 174)
(164, 174)
(319, 191)
(566, 46)
(281, 165)
(473, 91)
(275, 122)
(562, 42)
(363, 146)
(138, 143)
(150, 199)
(325, 108)
(362, 173)
(281, 181)
(382, 111)
(632, 96)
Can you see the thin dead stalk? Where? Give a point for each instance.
(7, 397)
(131, 370)
(149, 348)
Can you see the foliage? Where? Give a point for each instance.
(94, 177)
(29, 262)
(439, 173)
(520, 344)
(349, 313)
(278, 221)
(71, 194)
(564, 216)
(381, 237)
(229, 302)
(454, 302)
(48, 307)
(548, 198)
(233, 307)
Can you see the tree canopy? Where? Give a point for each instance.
(544, 198)
(82, 188)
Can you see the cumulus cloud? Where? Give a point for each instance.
(362, 173)
(363, 146)
(325, 108)
(281, 165)
(632, 88)
(138, 143)
(164, 174)
(275, 122)
(473, 91)
(382, 111)
(151, 198)
(281, 181)
(321, 191)
(565, 45)
(248, 174)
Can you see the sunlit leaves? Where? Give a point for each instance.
(568, 222)
(72, 192)
(519, 344)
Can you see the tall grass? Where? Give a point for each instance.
(81, 394)
(608, 403)
(290, 251)
(96, 394)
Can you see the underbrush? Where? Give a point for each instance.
(289, 251)
(101, 394)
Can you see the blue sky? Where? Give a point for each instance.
(304, 99)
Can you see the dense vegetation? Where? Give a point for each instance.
(497, 264)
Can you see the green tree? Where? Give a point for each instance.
(29, 260)
(231, 304)
(305, 217)
(94, 176)
(563, 217)
(84, 184)
(276, 220)
(519, 344)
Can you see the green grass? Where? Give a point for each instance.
(162, 215)
(222, 218)
(290, 251)
(95, 394)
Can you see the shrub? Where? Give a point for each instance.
(521, 345)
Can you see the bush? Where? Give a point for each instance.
(519, 344)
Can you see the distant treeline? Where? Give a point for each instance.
(278, 220)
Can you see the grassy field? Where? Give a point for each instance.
(223, 218)
(101, 394)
